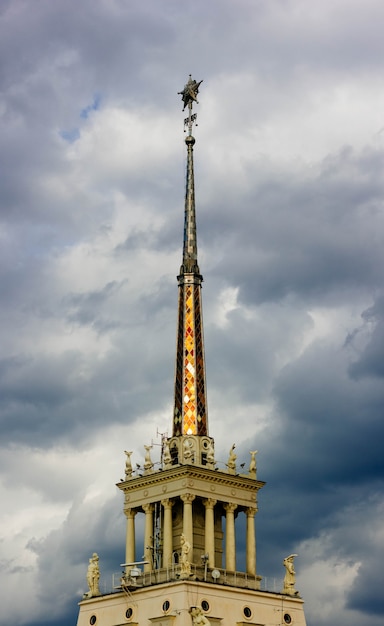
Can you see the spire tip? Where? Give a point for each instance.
(189, 96)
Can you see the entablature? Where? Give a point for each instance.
(189, 479)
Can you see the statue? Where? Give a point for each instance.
(210, 454)
(190, 91)
(148, 465)
(290, 576)
(252, 465)
(232, 460)
(167, 458)
(185, 549)
(188, 453)
(198, 617)
(128, 464)
(93, 576)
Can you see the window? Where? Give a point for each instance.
(166, 606)
(129, 613)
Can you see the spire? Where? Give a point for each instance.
(190, 409)
(190, 238)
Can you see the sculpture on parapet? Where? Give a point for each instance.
(188, 451)
(128, 464)
(290, 576)
(167, 458)
(252, 464)
(148, 465)
(93, 576)
(198, 617)
(231, 465)
(210, 454)
(185, 550)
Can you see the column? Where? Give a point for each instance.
(251, 542)
(148, 537)
(130, 536)
(188, 498)
(230, 542)
(167, 533)
(210, 530)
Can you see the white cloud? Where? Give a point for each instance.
(325, 584)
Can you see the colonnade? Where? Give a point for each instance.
(209, 504)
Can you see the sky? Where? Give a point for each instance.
(289, 161)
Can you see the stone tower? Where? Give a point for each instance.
(188, 572)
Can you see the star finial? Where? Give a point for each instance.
(189, 96)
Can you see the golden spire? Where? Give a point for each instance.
(190, 409)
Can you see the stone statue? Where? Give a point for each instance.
(185, 549)
(93, 576)
(252, 465)
(167, 459)
(198, 617)
(148, 465)
(210, 454)
(190, 91)
(187, 450)
(290, 576)
(128, 464)
(232, 460)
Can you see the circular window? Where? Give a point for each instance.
(205, 605)
(92, 619)
(247, 611)
(287, 618)
(129, 613)
(166, 606)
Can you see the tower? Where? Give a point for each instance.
(188, 573)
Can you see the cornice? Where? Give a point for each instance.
(191, 472)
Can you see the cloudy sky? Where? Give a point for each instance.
(289, 164)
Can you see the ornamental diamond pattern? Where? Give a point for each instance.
(190, 403)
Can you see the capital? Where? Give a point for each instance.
(168, 503)
(251, 511)
(209, 503)
(187, 497)
(230, 507)
(147, 508)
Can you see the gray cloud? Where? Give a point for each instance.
(370, 361)
(312, 238)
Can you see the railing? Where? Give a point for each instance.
(134, 578)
